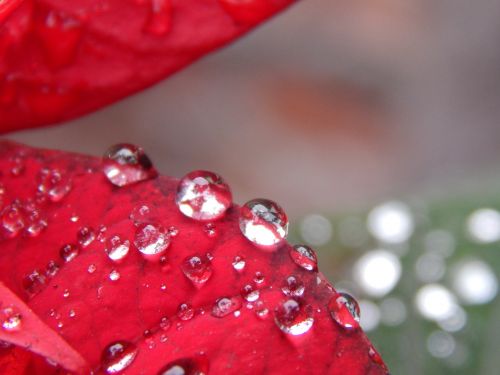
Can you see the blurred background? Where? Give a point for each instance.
(376, 125)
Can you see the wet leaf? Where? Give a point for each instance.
(141, 314)
(62, 59)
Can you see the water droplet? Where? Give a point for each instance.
(239, 263)
(225, 306)
(34, 282)
(114, 275)
(141, 214)
(54, 184)
(344, 310)
(186, 366)
(261, 311)
(52, 269)
(117, 248)
(259, 278)
(185, 311)
(151, 240)
(210, 230)
(12, 220)
(17, 166)
(91, 268)
(375, 356)
(293, 287)
(11, 319)
(69, 252)
(71, 313)
(263, 222)
(85, 236)
(249, 293)
(203, 195)
(165, 323)
(197, 269)
(293, 318)
(117, 356)
(74, 218)
(60, 325)
(304, 257)
(173, 231)
(35, 224)
(159, 19)
(101, 233)
(66, 293)
(125, 164)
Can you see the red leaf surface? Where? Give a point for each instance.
(67, 296)
(61, 59)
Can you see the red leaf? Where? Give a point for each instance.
(243, 310)
(62, 59)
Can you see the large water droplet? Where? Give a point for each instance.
(304, 257)
(159, 19)
(69, 252)
(85, 236)
(263, 222)
(117, 356)
(125, 164)
(116, 248)
(344, 310)
(151, 240)
(293, 287)
(203, 195)
(197, 269)
(54, 184)
(225, 306)
(186, 366)
(11, 319)
(185, 311)
(34, 282)
(293, 318)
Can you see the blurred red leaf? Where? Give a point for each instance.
(62, 59)
(58, 216)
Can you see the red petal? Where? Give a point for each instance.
(63, 59)
(91, 307)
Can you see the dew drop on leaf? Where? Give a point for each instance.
(186, 366)
(293, 318)
(117, 356)
(263, 222)
(125, 164)
(11, 319)
(293, 287)
(151, 240)
(203, 195)
(225, 306)
(85, 236)
(116, 248)
(197, 269)
(69, 252)
(344, 310)
(304, 257)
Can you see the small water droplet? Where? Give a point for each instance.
(17, 166)
(249, 293)
(66, 293)
(186, 366)
(203, 195)
(263, 222)
(304, 257)
(225, 306)
(101, 233)
(142, 214)
(210, 230)
(259, 278)
(197, 269)
(35, 224)
(165, 323)
(52, 269)
(85, 236)
(69, 252)
(163, 338)
(344, 310)
(71, 313)
(185, 311)
(293, 318)
(117, 356)
(11, 319)
(13, 220)
(163, 287)
(91, 268)
(173, 231)
(151, 240)
(54, 184)
(74, 218)
(375, 356)
(34, 282)
(60, 325)
(293, 287)
(125, 164)
(239, 263)
(159, 20)
(116, 248)
(261, 311)
(114, 275)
